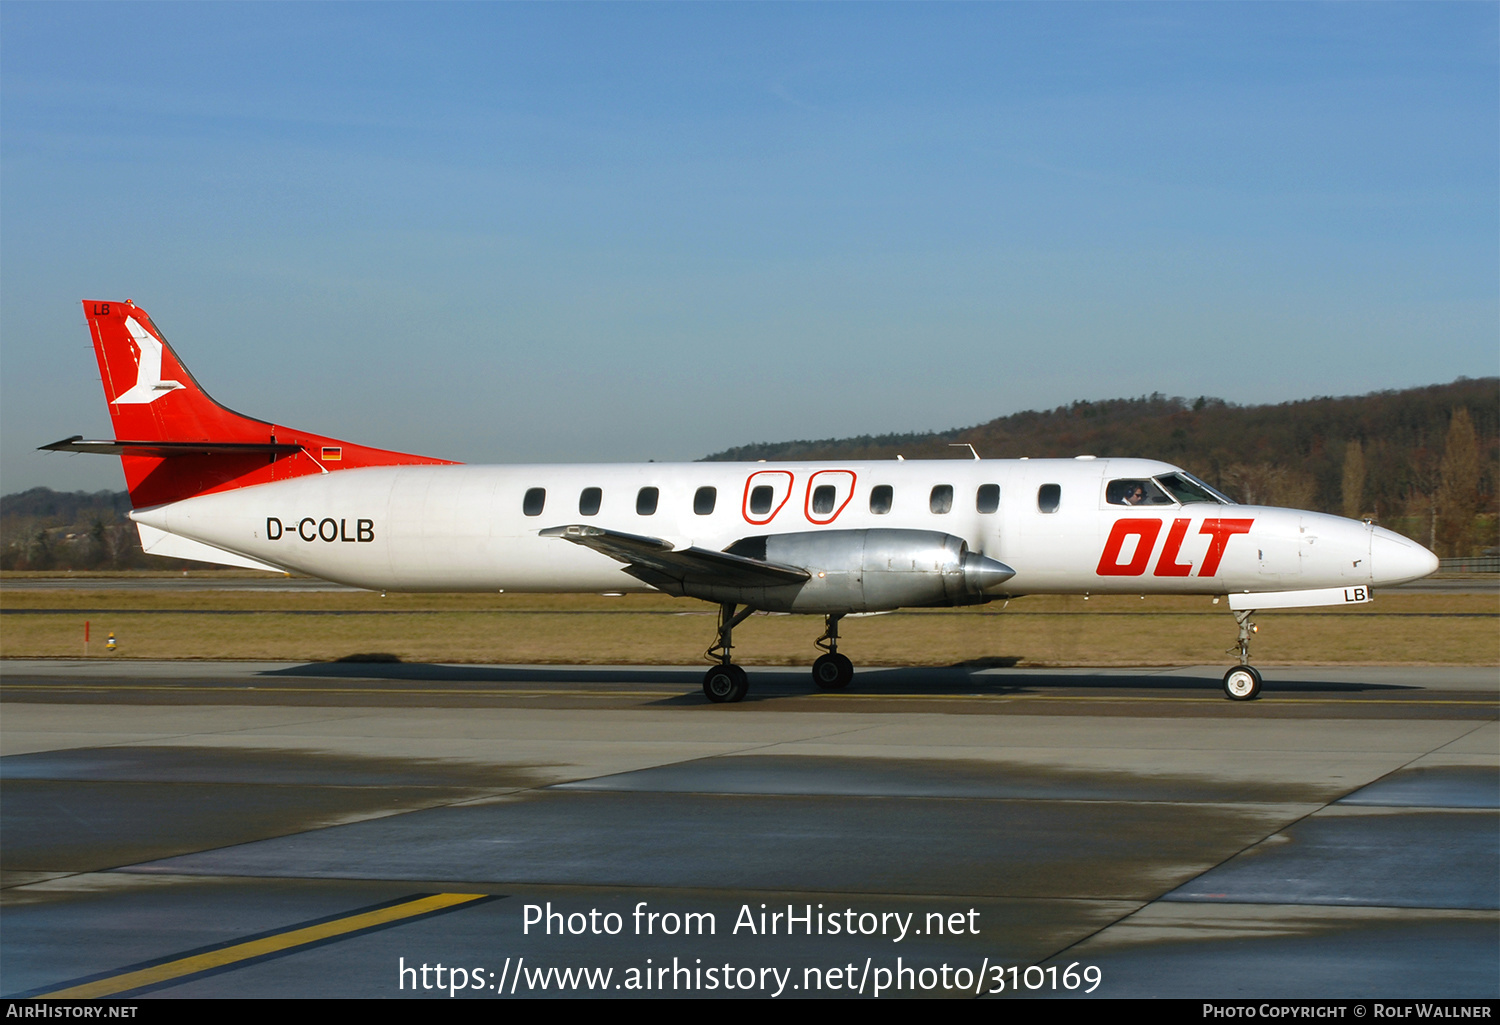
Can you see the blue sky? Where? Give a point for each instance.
(538, 232)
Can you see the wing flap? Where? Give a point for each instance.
(653, 560)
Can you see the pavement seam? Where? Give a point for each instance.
(1455, 740)
(1159, 898)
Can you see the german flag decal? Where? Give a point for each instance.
(331, 452)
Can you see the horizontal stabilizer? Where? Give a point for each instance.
(1357, 594)
(166, 449)
(649, 557)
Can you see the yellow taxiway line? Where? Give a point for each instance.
(262, 946)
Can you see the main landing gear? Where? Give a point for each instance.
(726, 682)
(1242, 683)
(831, 671)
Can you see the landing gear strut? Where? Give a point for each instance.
(832, 671)
(1242, 683)
(726, 682)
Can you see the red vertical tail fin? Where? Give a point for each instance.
(175, 441)
(151, 395)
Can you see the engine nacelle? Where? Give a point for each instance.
(866, 571)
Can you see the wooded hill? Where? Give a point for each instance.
(1424, 461)
(44, 529)
(1380, 455)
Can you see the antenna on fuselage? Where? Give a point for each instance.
(964, 444)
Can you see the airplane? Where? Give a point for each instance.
(828, 539)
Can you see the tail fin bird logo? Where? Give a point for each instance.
(148, 383)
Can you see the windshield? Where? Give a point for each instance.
(1188, 489)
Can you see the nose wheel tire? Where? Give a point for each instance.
(725, 684)
(1242, 683)
(832, 671)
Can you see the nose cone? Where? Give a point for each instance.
(983, 574)
(1396, 560)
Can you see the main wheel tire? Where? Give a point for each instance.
(832, 671)
(725, 684)
(1242, 683)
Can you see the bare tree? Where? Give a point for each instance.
(1421, 494)
(1458, 491)
(1294, 489)
(1267, 484)
(1354, 479)
(1250, 483)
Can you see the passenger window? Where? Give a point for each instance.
(760, 499)
(588, 501)
(703, 501)
(822, 500)
(880, 499)
(1049, 497)
(988, 498)
(535, 499)
(941, 500)
(645, 501)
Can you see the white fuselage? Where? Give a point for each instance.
(467, 528)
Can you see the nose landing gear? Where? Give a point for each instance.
(1242, 683)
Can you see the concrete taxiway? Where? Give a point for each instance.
(258, 829)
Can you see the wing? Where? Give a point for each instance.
(657, 563)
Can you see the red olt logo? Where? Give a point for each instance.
(1145, 531)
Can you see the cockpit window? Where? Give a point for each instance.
(1188, 489)
(1135, 491)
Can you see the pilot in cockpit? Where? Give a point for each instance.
(1135, 492)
